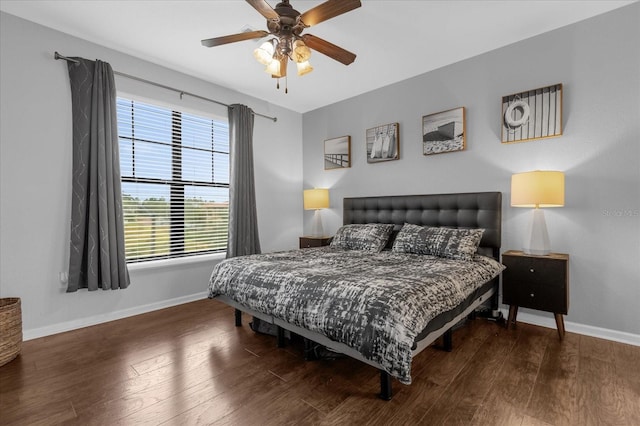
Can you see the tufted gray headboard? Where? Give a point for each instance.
(466, 210)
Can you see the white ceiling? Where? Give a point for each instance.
(394, 40)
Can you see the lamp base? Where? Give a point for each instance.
(537, 241)
(316, 225)
(535, 252)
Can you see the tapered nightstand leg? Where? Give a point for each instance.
(513, 313)
(560, 325)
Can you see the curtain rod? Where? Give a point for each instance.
(58, 56)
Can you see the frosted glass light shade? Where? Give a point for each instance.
(301, 53)
(304, 68)
(314, 199)
(273, 68)
(540, 188)
(264, 53)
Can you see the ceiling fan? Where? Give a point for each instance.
(286, 25)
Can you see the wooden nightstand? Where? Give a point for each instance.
(306, 242)
(536, 282)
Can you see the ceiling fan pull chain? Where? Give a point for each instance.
(278, 84)
(286, 85)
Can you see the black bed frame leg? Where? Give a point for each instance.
(238, 318)
(309, 352)
(495, 304)
(386, 392)
(447, 340)
(281, 342)
(495, 310)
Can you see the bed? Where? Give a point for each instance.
(383, 291)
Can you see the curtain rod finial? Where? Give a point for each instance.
(58, 56)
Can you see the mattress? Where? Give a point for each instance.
(375, 303)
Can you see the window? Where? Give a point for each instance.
(175, 181)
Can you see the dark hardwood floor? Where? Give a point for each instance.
(190, 365)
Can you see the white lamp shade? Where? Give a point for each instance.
(540, 188)
(315, 199)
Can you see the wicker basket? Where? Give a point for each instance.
(10, 329)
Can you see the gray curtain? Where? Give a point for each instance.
(243, 219)
(97, 257)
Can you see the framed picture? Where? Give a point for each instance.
(383, 143)
(534, 114)
(443, 132)
(337, 153)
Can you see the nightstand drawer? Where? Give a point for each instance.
(308, 242)
(535, 270)
(536, 296)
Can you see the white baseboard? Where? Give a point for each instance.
(34, 333)
(587, 330)
(549, 322)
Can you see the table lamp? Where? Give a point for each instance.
(316, 199)
(537, 189)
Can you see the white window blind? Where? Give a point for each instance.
(175, 181)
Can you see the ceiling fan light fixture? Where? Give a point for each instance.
(301, 53)
(285, 27)
(264, 53)
(304, 68)
(284, 46)
(274, 69)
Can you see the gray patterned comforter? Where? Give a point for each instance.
(376, 303)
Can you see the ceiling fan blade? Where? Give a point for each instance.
(249, 35)
(263, 7)
(329, 49)
(328, 10)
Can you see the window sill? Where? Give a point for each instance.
(167, 263)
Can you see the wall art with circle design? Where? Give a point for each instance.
(534, 114)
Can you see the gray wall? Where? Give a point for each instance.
(35, 178)
(598, 62)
